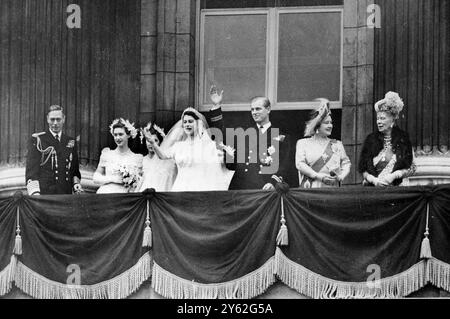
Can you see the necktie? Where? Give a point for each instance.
(57, 137)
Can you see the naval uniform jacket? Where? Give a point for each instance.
(55, 169)
(250, 164)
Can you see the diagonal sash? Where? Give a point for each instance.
(318, 165)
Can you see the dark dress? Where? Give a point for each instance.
(250, 162)
(55, 173)
(374, 143)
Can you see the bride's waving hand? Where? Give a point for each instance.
(199, 162)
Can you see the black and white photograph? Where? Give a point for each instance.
(238, 151)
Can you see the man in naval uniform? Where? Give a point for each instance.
(52, 161)
(261, 163)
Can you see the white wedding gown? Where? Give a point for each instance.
(158, 174)
(199, 166)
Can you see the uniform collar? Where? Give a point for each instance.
(54, 135)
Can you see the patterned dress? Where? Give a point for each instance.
(328, 158)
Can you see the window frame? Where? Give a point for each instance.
(272, 41)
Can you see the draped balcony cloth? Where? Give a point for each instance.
(97, 238)
(356, 242)
(214, 244)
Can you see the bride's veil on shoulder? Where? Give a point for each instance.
(213, 167)
(177, 134)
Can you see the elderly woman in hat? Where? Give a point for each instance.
(386, 157)
(321, 161)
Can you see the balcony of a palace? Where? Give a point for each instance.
(432, 167)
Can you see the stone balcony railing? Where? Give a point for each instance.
(432, 168)
(12, 179)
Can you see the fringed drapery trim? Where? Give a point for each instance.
(316, 286)
(438, 273)
(249, 286)
(118, 287)
(7, 276)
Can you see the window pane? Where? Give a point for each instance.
(235, 56)
(309, 56)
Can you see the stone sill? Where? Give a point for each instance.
(12, 179)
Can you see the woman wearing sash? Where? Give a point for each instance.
(321, 161)
(386, 157)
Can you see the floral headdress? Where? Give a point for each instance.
(130, 127)
(322, 111)
(145, 131)
(391, 103)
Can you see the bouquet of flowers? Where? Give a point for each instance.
(130, 176)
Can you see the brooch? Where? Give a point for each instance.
(334, 148)
(280, 138)
(267, 160)
(71, 144)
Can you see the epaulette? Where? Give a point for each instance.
(37, 134)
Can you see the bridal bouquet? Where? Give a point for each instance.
(130, 176)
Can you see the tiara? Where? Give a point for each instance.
(130, 126)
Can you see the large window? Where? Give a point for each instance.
(291, 55)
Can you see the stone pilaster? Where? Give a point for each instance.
(175, 56)
(357, 114)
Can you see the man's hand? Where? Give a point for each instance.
(77, 188)
(268, 187)
(216, 98)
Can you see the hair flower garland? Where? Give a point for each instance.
(145, 131)
(130, 127)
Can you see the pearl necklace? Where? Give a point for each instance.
(320, 139)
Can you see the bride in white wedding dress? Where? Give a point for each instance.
(199, 162)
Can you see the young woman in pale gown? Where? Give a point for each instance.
(321, 161)
(199, 162)
(109, 174)
(157, 173)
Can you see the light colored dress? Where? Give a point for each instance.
(113, 161)
(158, 174)
(199, 166)
(310, 152)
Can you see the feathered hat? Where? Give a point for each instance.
(391, 103)
(321, 112)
